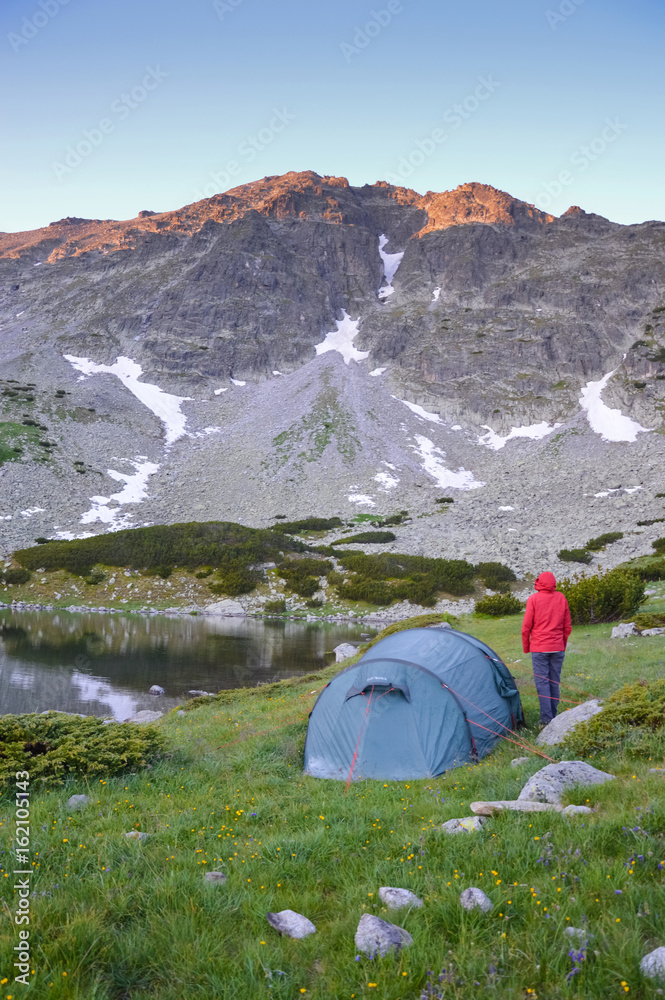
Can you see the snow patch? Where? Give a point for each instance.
(277, 373)
(456, 427)
(611, 424)
(69, 536)
(135, 490)
(535, 432)
(237, 381)
(435, 294)
(378, 371)
(218, 391)
(29, 511)
(391, 261)
(385, 480)
(341, 339)
(361, 498)
(6, 517)
(20, 314)
(506, 508)
(420, 412)
(431, 463)
(165, 406)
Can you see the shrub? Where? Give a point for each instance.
(56, 745)
(498, 605)
(653, 571)
(653, 520)
(302, 575)
(444, 500)
(496, 575)
(234, 581)
(368, 537)
(630, 722)
(205, 572)
(310, 524)
(275, 607)
(41, 540)
(16, 576)
(381, 579)
(575, 555)
(96, 577)
(659, 546)
(595, 599)
(653, 620)
(221, 544)
(163, 571)
(596, 544)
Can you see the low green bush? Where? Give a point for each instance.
(444, 500)
(496, 576)
(56, 745)
(659, 546)
(221, 544)
(275, 607)
(646, 620)
(498, 605)
(596, 599)
(368, 538)
(95, 578)
(652, 520)
(596, 544)
(381, 579)
(302, 575)
(575, 555)
(15, 576)
(652, 571)
(630, 722)
(234, 581)
(309, 524)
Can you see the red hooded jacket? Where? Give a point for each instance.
(546, 625)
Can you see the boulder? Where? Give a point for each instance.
(512, 805)
(217, 878)
(156, 689)
(145, 716)
(77, 801)
(136, 835)
(653, 964)
(656, 770)
(291, 923)
(397, 899)
(344, 651)
(375, 935)
(475, 899)
(470, 824)
(556, 730)
(194, 693)
(652, 631)
(227, 607)
(549, 784)
(518, 761)
(577, 810)
(623, 631)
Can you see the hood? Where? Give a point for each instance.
(546, 581)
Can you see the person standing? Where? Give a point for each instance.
(545, 632)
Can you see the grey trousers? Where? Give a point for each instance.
(546, 676)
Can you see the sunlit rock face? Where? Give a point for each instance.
(298, 345)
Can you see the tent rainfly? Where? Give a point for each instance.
(417, 703)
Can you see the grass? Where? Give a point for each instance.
(113, 918)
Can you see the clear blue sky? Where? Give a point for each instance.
(350, 104)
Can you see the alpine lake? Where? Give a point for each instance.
(104, 664)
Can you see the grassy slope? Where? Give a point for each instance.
(127, 919)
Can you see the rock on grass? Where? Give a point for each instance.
(292, 924)
(549, 784)
(376, 935)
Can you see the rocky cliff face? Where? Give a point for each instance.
(301, 346)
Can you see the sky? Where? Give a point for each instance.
(109, 108)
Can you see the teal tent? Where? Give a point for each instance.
(417, 703)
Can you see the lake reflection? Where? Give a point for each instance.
(102, 664)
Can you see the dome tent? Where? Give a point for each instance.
(417, 703)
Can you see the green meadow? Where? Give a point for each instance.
(117, 918)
